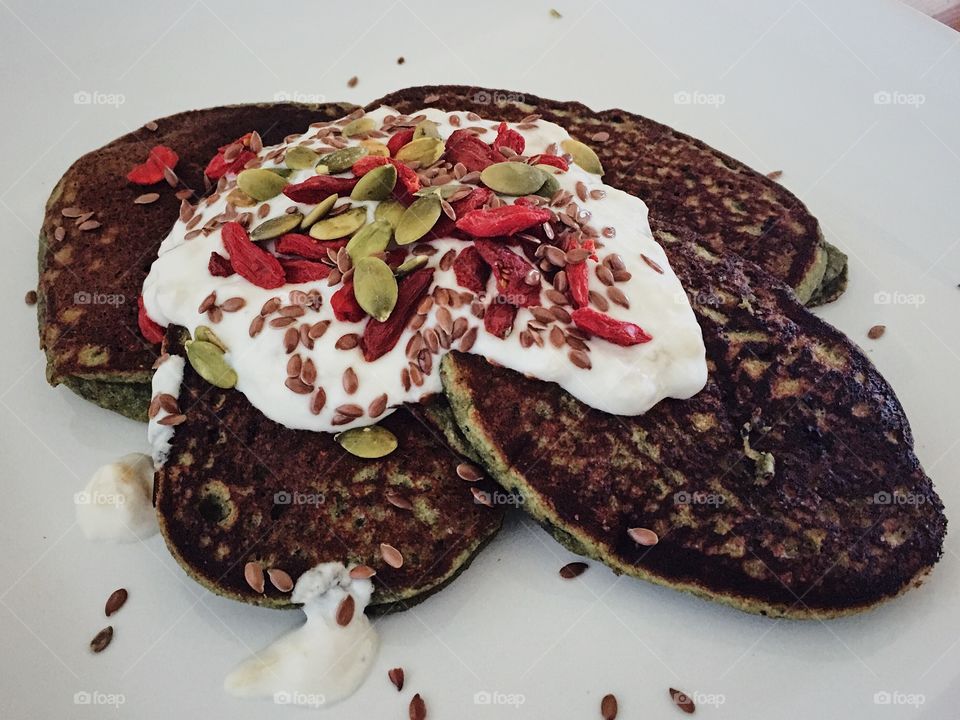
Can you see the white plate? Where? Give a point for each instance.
(785, 85)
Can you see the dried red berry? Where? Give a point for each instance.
(219, 266)
(509, 138)
(578, 277)
(446, 227)
(306, 247)
(345, 305)
(380, 337)
(220, 166)
(250, 260)
(619, 332)
(367, 163)
(319, 187)
(465, 147)
(553, 160)
(510, 271)
(151, 331)
(150, 171)
(499, 316)
(302, 271)
(398, 140)
(504, 220)
(471, 270)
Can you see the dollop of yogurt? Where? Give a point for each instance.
(117, 503)
(321, 662)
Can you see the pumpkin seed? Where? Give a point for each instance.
(369, 240)
(360, 126)
(550, 183)
(376, 184)
(300, 158)
(583, 155)
(340, 225)
(275, 227)
(207, 335)
(375, 148)
(260, 184)
(418, 219)
(425, 150)
(341, 160)
(208, 360)
(391, 211)
(321, 170)
(282, 172)
(238, 198)
(368, 442)
(375, 287)
(445, 191)
(414, 262)
(512, 178)
(318, 212)
(426, 128)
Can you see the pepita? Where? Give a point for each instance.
(339, 226)
(341, 160)
(444, 191)
(318, 212)
(375, 148)
(208, 360)
(207, 335)
(369, 240)
(425, 150)
(583, 155)
(238, 198)
(260, 184)
(414, 262)
(391, 211)
(375, 287)
(368, 442)
(512, 178)
(418, 219)
(550, 183)
(426, 128)
(282, 172)
(300, 158)
(275, 227)
(360, 126)
(377, 184)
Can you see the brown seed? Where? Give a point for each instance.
(318, 329)
(215, 314)
(424, 307)
(115, 601)
(617, 295)
(682, 701)
(642, 536)
(89, 225)
(345, 610)
(556, 297)
(572, 570)
(280, 579)
(102, 639)
(71, 212)
(418, 708)
(609, 232)
(291, 338)
(580, 359)
(399, 501)
(292, 311)
(396, 677)
(460, 326)
(253, 574)
(309, 372)
(481, 497)
(432, 339)
(468, 339)
(172, 420)
(469, 472)
(352, 82)
(168, 402)
(350, 381)
(425, 361)
(377, 406)
(651, 263)
(362, 572)
(271, 306)
(60, 233)
(445, 319)
(146, 198)
(405, 379)
(775, 174)
(556, 337)
(256, 325)
(416, 375)
(347, 342)
(604, 275)
(294, 366)
(208, 302)
(298, 386)
(151, 126)
(608, 707)
(349, 410)
(561, 314)
(31, 297)
(154, 408)
(876, 332)
(319, 400)
(446, 262)
(233, 304)
(599, 301)
(391, 556)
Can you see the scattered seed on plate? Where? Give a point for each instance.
(775, 174)
(876, 332)
(682, 701)
(31, 297)
(396, 677)
(115, 601)
(352, 82)
(608, 707)
(572, 570)
(418, 708)
(102, 639)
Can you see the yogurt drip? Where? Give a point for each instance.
(117, 503)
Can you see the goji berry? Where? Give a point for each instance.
(319, 187)
(509, 138)
(306, 247)
(380, 337)
(503, 220)
(446, 227)
(465, 147)
(578, 278)
(619, 332)
(219, 266)
(345, 305)
(398, 140)
(220, 166)
(498, 318)
(249, 260)
(367, 163)
(471, 270)
(556, 161)
(510, 271)
(302, 271)
(151, 331)
(406, 175)
(150, 171)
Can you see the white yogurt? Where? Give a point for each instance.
(166, 380)
(117, 503)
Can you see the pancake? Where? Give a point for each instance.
(787, 487)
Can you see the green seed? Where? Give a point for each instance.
(583, 155)
(376, 184)
(375, 287)
(391, 211)
(238, 198)
(414, 262)
(340, 160)
(318, 212)
(282, 172)
(369, 240)
(260, 184)
(275, 227)
(418, 219)
(340, 225)
(444, 191)
(208, 360)
(512, 178)
(207, 335)
(550, 182)
(300, 158)
(368, 442)
(425, 151)
(360, 126)
(426, 128)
